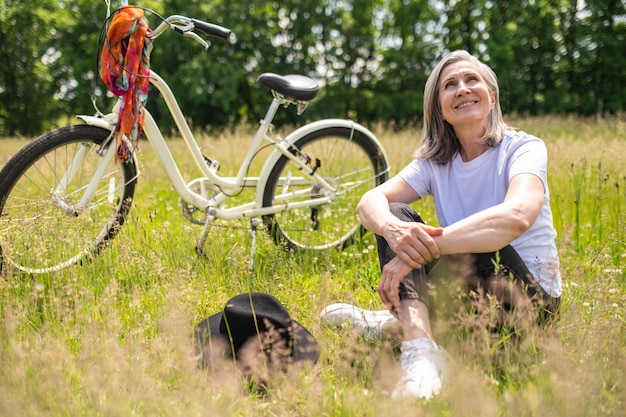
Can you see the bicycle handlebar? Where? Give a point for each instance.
(191, 25)
(212, 29)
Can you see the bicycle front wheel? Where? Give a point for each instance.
(52, 211)
(350, 162)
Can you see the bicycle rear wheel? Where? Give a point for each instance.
(44, 226)
(348, 160)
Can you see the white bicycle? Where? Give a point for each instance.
(63, 197)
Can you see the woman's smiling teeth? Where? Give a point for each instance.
(465, 104)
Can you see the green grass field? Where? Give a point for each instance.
(112, 337)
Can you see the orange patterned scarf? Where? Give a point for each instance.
(125, 68)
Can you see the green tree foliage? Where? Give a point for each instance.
(211, 86)
(73, 41)
(519, 45)
(604, 28)
(350, 44)
(372, 57)
(26, 90)
(411, 45)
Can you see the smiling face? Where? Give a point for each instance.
(465, 98)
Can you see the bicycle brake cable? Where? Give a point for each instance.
(246, 174)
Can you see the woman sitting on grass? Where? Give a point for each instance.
(489, 184)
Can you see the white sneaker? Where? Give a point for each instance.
(369, 323)
(424, 369)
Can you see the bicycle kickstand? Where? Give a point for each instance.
(254, 222)
(203, 236)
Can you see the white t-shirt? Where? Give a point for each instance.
(461, 189)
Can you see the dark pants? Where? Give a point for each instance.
(500, 275)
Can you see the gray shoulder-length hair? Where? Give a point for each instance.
(439, 142)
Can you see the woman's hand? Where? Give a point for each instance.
(414, 247)
(413, 242)
(388, 287)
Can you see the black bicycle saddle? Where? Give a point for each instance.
(298, 87)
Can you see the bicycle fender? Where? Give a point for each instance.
(104, 124)
(96, 121)
(326, 123)
(303, 131)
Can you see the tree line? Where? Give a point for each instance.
(372, 57)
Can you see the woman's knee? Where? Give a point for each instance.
(404, 212)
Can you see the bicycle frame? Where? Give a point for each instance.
(226, 185)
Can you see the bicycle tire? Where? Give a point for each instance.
(38, 231)
(351, 161)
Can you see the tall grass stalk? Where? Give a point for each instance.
(112, 336)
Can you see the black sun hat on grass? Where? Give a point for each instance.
(254, 327)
